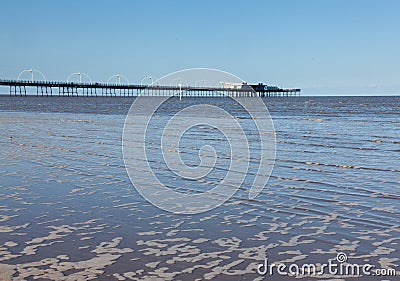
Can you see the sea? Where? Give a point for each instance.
(69, 211)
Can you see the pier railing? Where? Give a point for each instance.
(51, 88)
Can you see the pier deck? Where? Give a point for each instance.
(53, 88)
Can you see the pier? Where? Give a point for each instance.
(74, 89)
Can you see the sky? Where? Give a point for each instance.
(324, 47)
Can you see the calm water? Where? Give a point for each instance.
(69, 212)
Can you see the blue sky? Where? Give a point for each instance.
(323, 46)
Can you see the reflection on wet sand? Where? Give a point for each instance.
(69, 212)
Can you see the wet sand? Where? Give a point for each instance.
(69, 212)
